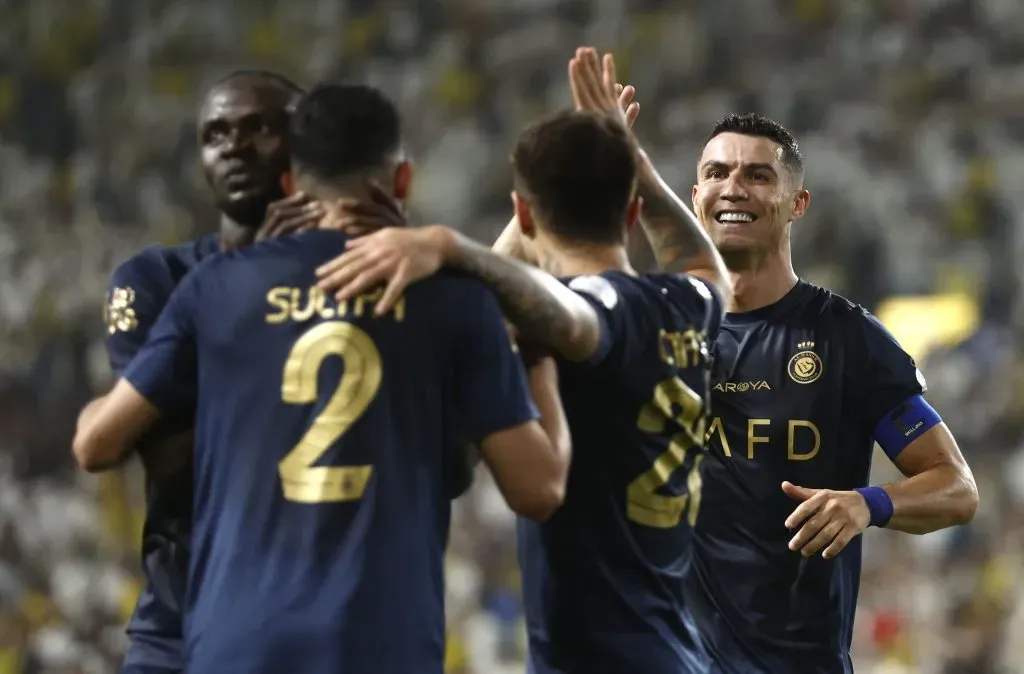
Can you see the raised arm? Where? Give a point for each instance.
(679, 242)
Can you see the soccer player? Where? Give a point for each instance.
(243, 147)
(804, 384)
(321, 508)
(602, 579)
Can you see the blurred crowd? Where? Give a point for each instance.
(909, 115)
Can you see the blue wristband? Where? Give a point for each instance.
(879, 505)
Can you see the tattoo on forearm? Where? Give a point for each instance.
(531, 299)
(675, 233)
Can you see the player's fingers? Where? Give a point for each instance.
(840, 542)
(371, 278)
(574, 83)
(396, 286)
(593, 77)
(579, 80)
(625, 94)
(294, 199)
(807, 532)
(331, 266)
(297, 223)
(632, 112)
(342, 269)
(824, 537)
(337, 281)
(803, 511)
(608, 73)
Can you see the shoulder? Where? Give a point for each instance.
(146, 267)
(852, 319)
(821, 305)
(164, 266)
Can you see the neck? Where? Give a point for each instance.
(582, 260)
(759, 278)
(233, 234)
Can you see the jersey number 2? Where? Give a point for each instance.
(301, 481)
(643, 504)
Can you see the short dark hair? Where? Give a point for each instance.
(579, 170)
(752, 124)
(340, 129)
(254, 73)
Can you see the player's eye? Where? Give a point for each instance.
(215, 136)
(760, 177)
(714, 174)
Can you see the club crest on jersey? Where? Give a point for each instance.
(805, 365)
(119, 314)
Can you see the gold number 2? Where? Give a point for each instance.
(301, 481)
(645, 506)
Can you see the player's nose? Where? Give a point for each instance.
(237, 143)
(733, 190)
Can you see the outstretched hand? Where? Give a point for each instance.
(830, 519)
(594, 87)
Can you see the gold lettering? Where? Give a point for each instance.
(306, 313)
(302, 304)
(792, 454)
(716, 424)
(742, 386)
(278, 297)
(682, 349)
(752, 439)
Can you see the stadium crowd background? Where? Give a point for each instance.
(910, 116)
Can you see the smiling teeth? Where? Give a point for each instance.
(735, 217)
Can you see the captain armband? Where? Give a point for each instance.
(900, 427)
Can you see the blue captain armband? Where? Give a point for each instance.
(900, 427)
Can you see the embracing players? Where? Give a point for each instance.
(602, 579)
(242, 129)
(804, 384)
(322, 428)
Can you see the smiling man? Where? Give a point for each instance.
(804, 382)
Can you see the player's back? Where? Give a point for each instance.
(602, 578)
(321, 511)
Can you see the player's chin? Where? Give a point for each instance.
(733, 242)
(247, 206)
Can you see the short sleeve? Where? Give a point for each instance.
(884, 375)
(608, 303)
(136, 294)
(165, 369)
(709, 301)
(696, 299)
(492, 389)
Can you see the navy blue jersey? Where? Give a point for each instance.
(138, 291)
(602, 579)
(797, 389)
(321, 512)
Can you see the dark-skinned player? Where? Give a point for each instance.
(322, 429)
(243, 149)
